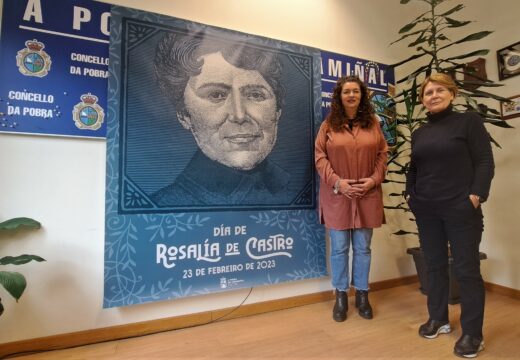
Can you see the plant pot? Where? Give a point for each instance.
(420, 266)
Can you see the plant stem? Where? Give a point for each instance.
(433, 4)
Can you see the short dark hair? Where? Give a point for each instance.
(178, 58)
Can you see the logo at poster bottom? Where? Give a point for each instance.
(87, 114)
(33, 61)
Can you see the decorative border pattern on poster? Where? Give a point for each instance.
(54, 67)
(158, 245)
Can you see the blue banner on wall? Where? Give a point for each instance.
(210, 171)
(54, 67)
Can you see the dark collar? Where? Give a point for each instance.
(440, 115)
(216, 177)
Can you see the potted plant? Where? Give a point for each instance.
(14, 282)
(429, 34)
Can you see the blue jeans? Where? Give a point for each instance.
(339, 257)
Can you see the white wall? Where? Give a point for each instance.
(60, 181)
(502, 211)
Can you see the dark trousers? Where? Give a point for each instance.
(459, 224)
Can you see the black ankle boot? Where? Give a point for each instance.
(365, 310)
(339, 313)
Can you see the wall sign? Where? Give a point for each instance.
(54, 67)
(210, 172)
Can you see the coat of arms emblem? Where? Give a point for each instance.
(88, 114)
(33, 61)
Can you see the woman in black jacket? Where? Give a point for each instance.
(449, 177)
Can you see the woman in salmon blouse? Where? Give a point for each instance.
(350, 157)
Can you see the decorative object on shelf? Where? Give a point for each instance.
(474, 72)
(510, 109)
(508, 60)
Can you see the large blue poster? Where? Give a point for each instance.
(54, 67)
(210, 171)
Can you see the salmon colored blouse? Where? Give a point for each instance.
(350, 154)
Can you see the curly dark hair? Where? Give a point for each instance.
(178, 57)
(337, 117)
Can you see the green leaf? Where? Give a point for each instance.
(452, 10)
(475, 36)
(499, 123)
(407, 35)
(397, 163)
(452, 23)
(398, 207)
(407, 27)
(20, 222)
(470, 54)
(484, 94)
(394, 181)
(413, 93)
(19, 260)
(403, 232)
(489, 112)
(421, 18)
(416, 56)
(399, 172)
(485, 83)
(13, 282)
(395, 194)
(471, 102)
(494, 142)
(426, 51)
(420, 39)
(405, 1)
(414, 73)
